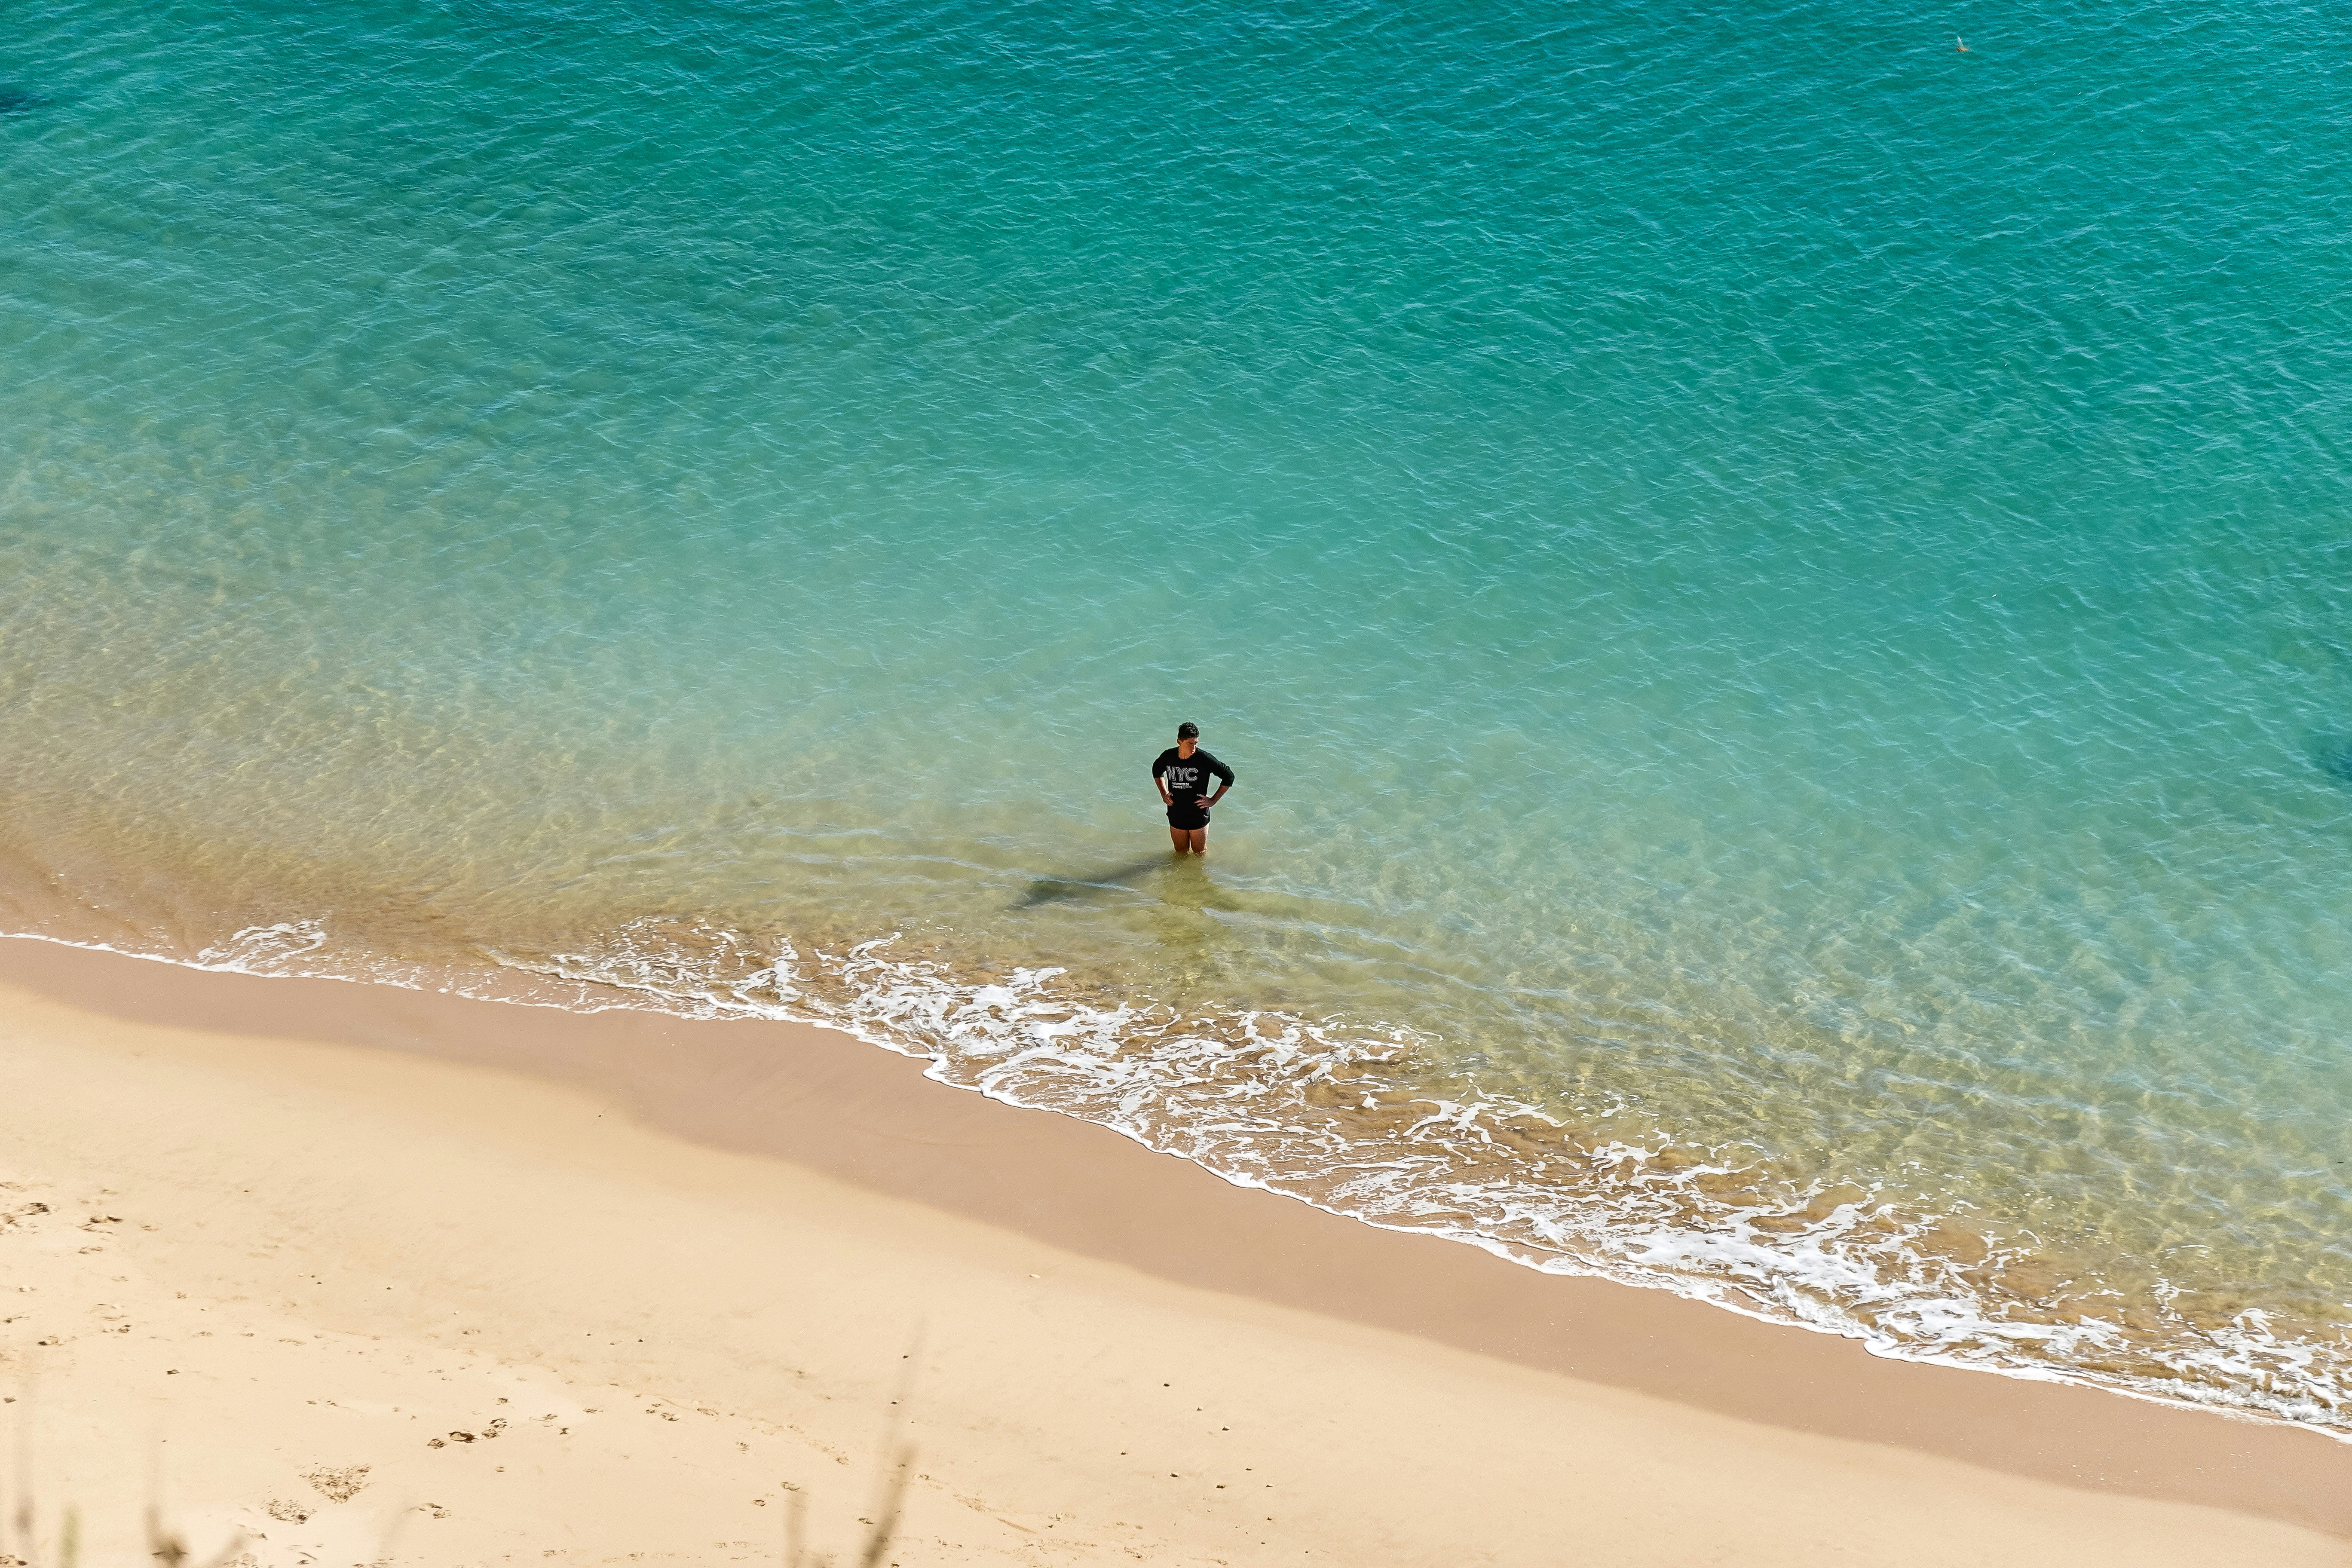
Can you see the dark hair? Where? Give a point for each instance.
(1188, 730)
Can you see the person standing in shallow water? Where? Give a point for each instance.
(1181, 774)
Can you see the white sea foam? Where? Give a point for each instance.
(266, 950)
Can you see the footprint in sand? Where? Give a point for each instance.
(338, 1485)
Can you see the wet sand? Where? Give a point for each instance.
(295, 1226)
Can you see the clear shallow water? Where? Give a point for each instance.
(1781, 594)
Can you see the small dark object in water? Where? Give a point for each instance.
(16, 101)
(2334, 756)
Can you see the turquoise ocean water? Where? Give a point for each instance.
(1781, 594)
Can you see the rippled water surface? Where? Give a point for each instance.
(1781, 594)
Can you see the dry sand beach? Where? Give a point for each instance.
(366, 1275)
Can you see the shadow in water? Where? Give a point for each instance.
(1169, 882)
(16, 101)
(1120, 879)
(2333, 755)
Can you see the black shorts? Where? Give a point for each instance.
(1186, 815)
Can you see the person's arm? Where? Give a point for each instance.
(1159, 783)
(1224, 782)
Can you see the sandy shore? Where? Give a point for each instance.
(281, 1243)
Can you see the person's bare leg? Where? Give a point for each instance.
(1200, 836)
(1181, 837)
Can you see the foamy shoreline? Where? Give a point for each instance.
(1340, 1117)
(422, 1234)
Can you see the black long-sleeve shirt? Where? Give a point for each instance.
(1188, 777)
